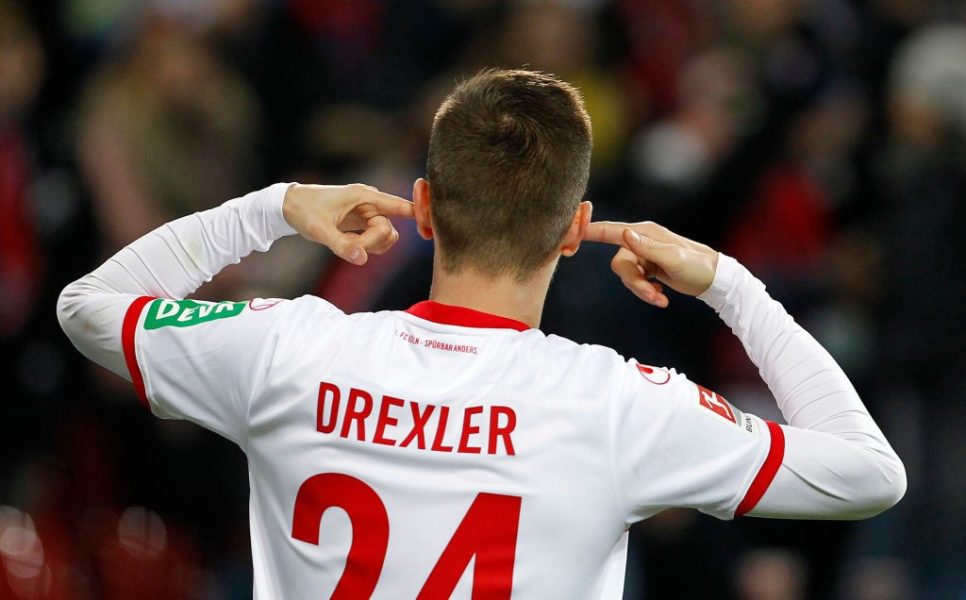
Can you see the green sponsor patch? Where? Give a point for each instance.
(185, 313)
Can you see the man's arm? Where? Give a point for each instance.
(836, 464)
(176, 259)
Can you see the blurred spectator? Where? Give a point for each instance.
(167, 129)
(679, 153)
(922, 175)
(879, 578)
(771, 574)
(561, 38)
(662, 35)
(22, 68)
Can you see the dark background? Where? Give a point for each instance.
(822, 143)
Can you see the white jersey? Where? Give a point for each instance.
(443, 452)
(444, 435)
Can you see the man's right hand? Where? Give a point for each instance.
(649, 251)
(351, 220)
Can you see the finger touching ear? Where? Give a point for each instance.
(392, 206)
(608, 232)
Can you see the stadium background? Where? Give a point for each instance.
(823, 143)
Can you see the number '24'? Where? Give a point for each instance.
(487, 531)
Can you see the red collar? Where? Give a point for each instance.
(448, 314)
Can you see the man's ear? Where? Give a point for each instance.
(423, 200)
(577, 230)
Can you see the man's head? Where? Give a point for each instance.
(509, 158)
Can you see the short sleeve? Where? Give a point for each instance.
(678, 444)
(203, 361)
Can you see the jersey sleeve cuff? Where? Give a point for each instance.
(767, 471)
(725, 279)
(128, 333)
(274, 197)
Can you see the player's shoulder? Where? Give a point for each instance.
(627, 375)
(613, 378)
(288, 317)
(300, 306)
(592, 362)
(599, 355)
(566, 346)
(309, 313)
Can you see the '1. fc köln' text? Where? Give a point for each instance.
(390, 421)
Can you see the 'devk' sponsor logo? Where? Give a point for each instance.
(716, 404)
(185, 313)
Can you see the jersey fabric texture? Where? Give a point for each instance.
(442, 403)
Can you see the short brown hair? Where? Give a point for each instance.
(509, 158)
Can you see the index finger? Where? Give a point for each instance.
(608, 232)
(389, 205)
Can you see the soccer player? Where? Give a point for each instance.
(467, 453)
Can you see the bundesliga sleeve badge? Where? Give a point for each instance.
(716, 404)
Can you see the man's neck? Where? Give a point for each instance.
(503, 296)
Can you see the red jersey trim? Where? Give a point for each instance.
(128, 329)
(448, 314)
(766, 474)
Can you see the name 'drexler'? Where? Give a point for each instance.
(391, 421)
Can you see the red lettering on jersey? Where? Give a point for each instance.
(419, 425)
(502, 431)
(441, 431)
(387, 425)
(655, 375)
(370, 528)
(320, 423)
(716, 404)
(448, 347)
(487, 533)
(385, 420)
(470, 429)
(356, 414)
(412, 339)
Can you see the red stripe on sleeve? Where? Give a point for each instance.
(128, 330)
(767, 471)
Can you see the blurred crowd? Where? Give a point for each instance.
(821, 142)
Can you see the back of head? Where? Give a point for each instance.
(509, 158)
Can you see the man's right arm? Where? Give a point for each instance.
(836, 463)
(172, 261)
